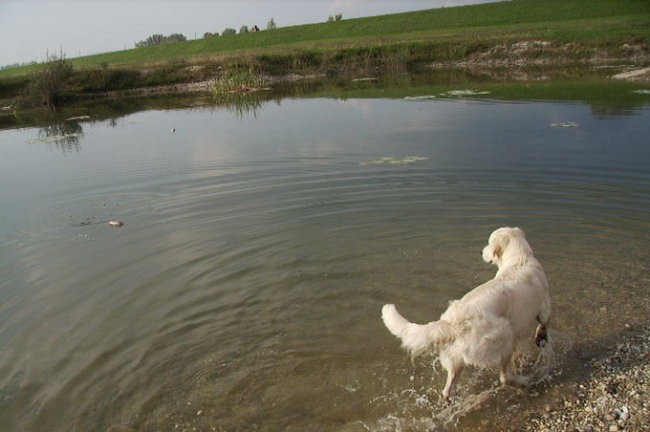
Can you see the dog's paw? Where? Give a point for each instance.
(446, 400)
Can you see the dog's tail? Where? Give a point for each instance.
(416, 338)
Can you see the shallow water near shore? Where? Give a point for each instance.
(243, 291)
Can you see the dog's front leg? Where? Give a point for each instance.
(541, 333)
(541, 336)
(543, 318)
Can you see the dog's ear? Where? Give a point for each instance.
(499, 242)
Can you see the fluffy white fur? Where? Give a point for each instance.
(484, 327)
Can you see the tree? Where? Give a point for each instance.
(271, 24)
(337, 17)
(229, 31)
(158, 39)
(175, 37)
(52, 79)
(243, 29)
(152, 40)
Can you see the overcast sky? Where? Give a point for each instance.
(28, 28)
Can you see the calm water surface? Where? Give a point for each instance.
(244, 290)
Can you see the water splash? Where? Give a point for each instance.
(540, 365)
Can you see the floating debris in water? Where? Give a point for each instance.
(395, 161)
(116, 223)
(457, 93)
(564, 124)
(418, 98)
(83, 117)
(641, 91)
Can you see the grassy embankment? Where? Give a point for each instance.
(572, 31)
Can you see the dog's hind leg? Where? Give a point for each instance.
(454, 369)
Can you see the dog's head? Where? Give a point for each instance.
(506, 245)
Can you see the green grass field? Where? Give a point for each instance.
(590, 22)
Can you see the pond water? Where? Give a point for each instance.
(244, 290)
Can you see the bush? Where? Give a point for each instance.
(243, 29)
(51, 80)
(229, 31)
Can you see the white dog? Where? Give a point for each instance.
(485, 326)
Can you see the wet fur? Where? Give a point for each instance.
(485, 326)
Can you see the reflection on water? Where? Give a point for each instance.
(243, 104)
(244, 290)
(64, 136)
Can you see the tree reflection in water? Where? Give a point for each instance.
(64, 135)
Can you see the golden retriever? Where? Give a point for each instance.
(485, 327)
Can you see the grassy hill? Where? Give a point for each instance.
(592, 22)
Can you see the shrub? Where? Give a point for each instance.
(240, 78)
(229, 31)
(52, 79)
